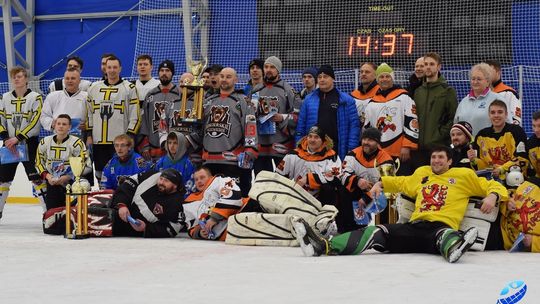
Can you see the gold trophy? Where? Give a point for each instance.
(196, 114)
(389, 169)
(78, 191)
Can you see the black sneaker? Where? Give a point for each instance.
(312, 244)
(456, 246)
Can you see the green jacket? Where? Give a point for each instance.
(436, 105)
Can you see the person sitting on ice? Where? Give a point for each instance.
(208, 209)
(520, 218)
(442, 195)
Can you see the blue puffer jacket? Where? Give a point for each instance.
(348, 124)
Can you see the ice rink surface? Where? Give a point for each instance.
(38, 268)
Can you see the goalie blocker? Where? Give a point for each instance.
(473, 218)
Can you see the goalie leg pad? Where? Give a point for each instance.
(260, 229)
(483, 231)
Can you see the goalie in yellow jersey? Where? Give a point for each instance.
(442, 194)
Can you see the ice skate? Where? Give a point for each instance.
(312, 244)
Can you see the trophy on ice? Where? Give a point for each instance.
(78, 191)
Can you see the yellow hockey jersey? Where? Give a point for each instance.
(442, 197)
(19, 115)
(526, 217)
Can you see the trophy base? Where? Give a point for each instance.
(76, 236)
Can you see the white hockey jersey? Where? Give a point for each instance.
(59, 102)
(20, 115)
(53, 156)
(112, 110)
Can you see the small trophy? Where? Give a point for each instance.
(79, 191)
(193, 121)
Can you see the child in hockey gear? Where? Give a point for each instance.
(449, 243)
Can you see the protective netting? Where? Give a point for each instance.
(345, 33)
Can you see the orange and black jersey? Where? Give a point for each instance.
(319, 168)
(393, 112)
(503, 149)
(366, 94)
(533, 151)
(358, 164)
(499, 87)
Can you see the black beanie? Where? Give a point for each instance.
(167, 64)
(258, 62)
(372, 133)
(328, 70)
(317, 130)
(175, 177)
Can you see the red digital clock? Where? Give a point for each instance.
(387, 45)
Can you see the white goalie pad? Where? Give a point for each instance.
(279, 195)
(405, 208)
(473, 210)
(483, 231)
(260, 229)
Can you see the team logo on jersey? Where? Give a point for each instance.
(158, 209)
(268, 104)
(385, 121)
(518, 112)
(159, 123)
(433, 197)
(141, 163)
(499, 155)
(219, 122)
(452, 181)
(16, 120)
(528, 211)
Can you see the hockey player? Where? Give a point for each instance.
(177, 158)
(71, 100)
(208, 209)
(500, 146)
(533, 146)
(255, 69)
(314, 166)
(20, 110)
(276, 102)
(522, 216)
(149, 204)
(228, 131)
(146, 82)
(113, 109)
(393, 112)
(442, 195)
(366, 91)
(158, 113)
(461, 137)
(359, 174)
(124, 163)
(309, 80)
(508, 94)
(73, 62)
(52, 160)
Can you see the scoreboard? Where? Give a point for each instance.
(344, 33)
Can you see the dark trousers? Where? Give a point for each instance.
(420, 237)
(55, 196)
(7, 171)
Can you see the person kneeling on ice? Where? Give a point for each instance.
(149, 204)
(521, 216)
(442, 194)
(208, 209)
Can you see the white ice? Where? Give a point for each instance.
(38, 268)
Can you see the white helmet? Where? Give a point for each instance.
(514, 178)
